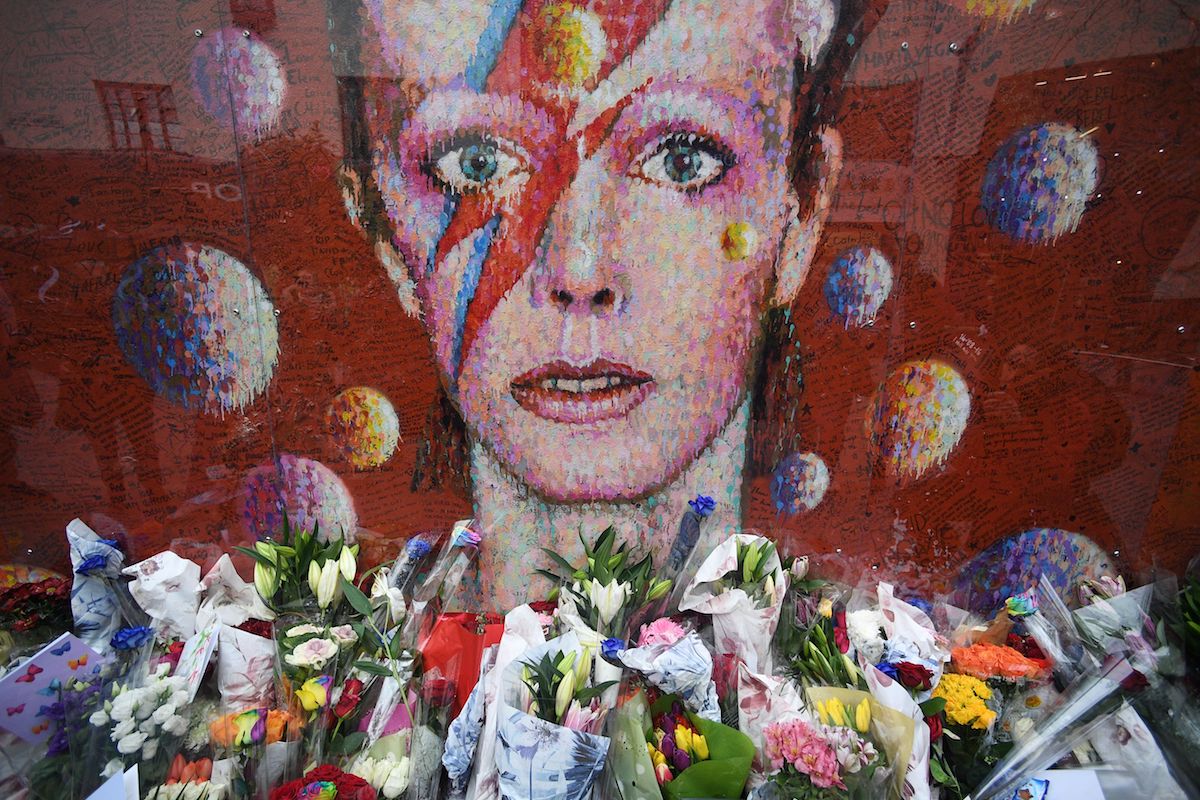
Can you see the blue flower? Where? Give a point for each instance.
(417, 548)
(132, 638)
(921, 603)
(703, 505)
(889, 669)
(609, 649)
(110, 542)
(93, 563)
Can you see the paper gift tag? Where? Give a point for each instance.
(27, 691)
(193, 661)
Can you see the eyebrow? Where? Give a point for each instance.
(455, 109)
(724, 113)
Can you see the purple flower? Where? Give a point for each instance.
(889, 669)
(680, 760)
(132, 638)
(93, 563)
(703, 505)
(610, 647)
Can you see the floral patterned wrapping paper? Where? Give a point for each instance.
(538, 760)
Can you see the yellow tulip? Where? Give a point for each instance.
(683, 738)
(837, 712)
(825, 608)
(700, 747)
(823, 712)
(862, 716)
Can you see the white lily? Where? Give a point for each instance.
(266, 580)
(608, 599)
(327, 583)
(565, 693)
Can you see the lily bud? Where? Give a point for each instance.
(314, 576)
(327, 584)
(347, 564)
(266, 580)
(266, 550)
(565, 694)
(658, 588)
(566, 662)
(583, 669)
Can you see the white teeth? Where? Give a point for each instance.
(581, 386)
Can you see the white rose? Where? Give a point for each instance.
(397, 779)
(864, 629)
(180, 697)
(130, 744)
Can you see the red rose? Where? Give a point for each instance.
(351, 695)
(546, 607)
(725, 675)
(1134, 681)
(288, 791)
(935, 727)
(438, 691)
(352, 787)
(914, 676)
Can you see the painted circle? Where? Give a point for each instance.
(799, 483)
(572, 42)
(1015, 564)
(229, 65)
(917, 418)
(363, 426)
(859, 282)
(197, 326)
(1037, 185)
(308, 491)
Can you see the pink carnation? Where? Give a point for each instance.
(662, 631)
(797, 744)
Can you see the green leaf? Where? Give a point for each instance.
(560, 561)
(585, 695)
(356, 598)
(353, 742)
(257, 556)
(933, 705)
(371, 668)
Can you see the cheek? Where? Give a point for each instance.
(417, 211)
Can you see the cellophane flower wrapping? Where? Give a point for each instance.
(891, 730)
(629, 773)
(536, 759)
(741, 626)
(724, 774)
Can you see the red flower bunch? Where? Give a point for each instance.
(438, 691)
(840, 637)
(1026, 646)
(259, 627)
(349, 787)
(24, 606)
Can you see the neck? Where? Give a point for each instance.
(518, 522)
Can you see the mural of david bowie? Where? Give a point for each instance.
(599, 211)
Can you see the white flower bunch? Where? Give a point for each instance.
(191, 790)
(865, 629)
(388, 775)
(140, 717)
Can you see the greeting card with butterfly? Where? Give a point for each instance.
(29, 689)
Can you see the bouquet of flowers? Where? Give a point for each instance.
(550, 715)
(741, 585)
(855, 748)
(812, 639)
(693, 756)
(35, 612)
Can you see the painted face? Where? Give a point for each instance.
(591, 207)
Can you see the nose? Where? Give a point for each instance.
(577, 274)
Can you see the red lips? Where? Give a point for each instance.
(600, 390)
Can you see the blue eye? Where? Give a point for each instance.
(478, 163)
(684, 161)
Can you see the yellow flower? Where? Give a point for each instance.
(683, 738)
(965, 698)
(837, 712)
(700, 747)
(862, 716)
(314, 693)
(825, 607)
